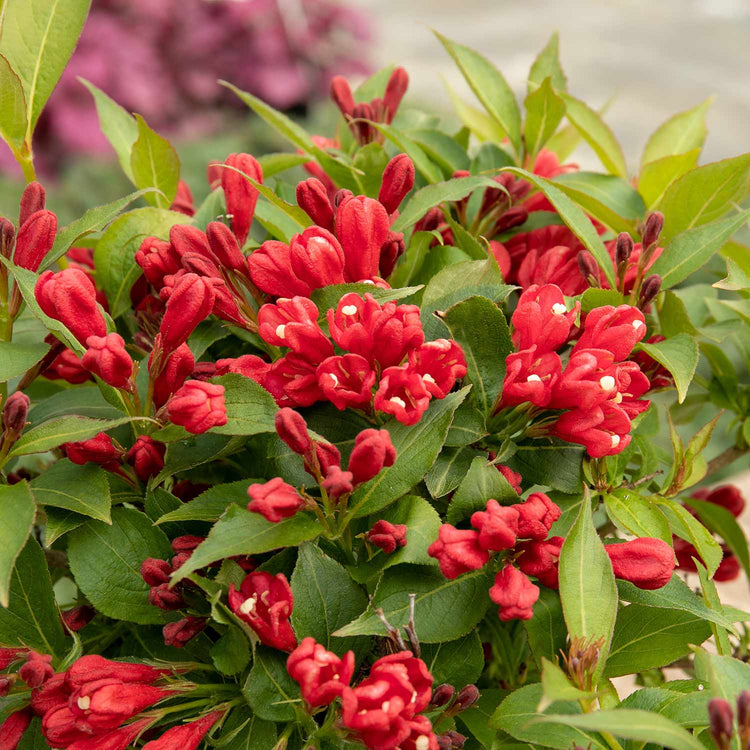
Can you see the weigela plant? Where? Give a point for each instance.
(399, 452)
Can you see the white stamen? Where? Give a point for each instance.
(615, 440)
(638, 324)
(618, 398)
(264, 597)
(248, 606)
(367, 281)
(428, 378)
(607, 383)
(336, 677)
(349, 309)
(84, 703)
(422, 743)
(280, 331)
(533, 379)
(700, 687)
(559, 309)
(398, 401)
(386, 705)
(334, 378)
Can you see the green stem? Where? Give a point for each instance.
(26, 162)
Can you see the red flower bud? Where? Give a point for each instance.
(270, 269)
(292, 429)
(155, 572)
(541, 318)
(362, 226)
(514, 593)
(327, 455)
(185, 736)
(70, 297)
(241, 196)
(116, 739)
(373, 450)
(34, 199)
(402, 392)
(224, 247)
(617, 330)
(191, 301)
(275, 500)
(312, 198)
(183, 200)
(442, 695)
(467, 697)
(540, 559)
(163, 597)
(37, 669)
(623, 249)
(388, 536)
(652, 230)
(294, 323)
(322, 676)
(7, 237)
(649, 290)
(721, 722)
(93, 668)
(394, 92)
(497, 526)
(67, 366)
(177, 634)
(440, 363)
(77, 618)
(390, 251)
(727, 495)
(158, 258)
(35, 239)
(457, 551)
(99, 450)
(317, 257)
(513, 477)
(648, 563)
(341, 94)
(12, 729)
(146, 457)
(346, 381)
(265, 603)
(198, 406)
(398, 180)
(9, 655)
(107, 358)
(337, 482)
(15, 410)
(179, 366)
(536, 516)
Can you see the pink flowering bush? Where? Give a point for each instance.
(418, 452)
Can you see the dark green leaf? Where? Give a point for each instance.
(448, 470)
(231, 653)
(18, 511)
(250, 407)
(458, 662)
(546, 629)
(245, 731)
(210, 505)
(557, 466)
(482, 482)
(269, 689)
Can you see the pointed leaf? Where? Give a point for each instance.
(679, 355)
(13, 122)
(155, 164)
(547, 65)
(681, 133)
(18, 517)
(544, 112)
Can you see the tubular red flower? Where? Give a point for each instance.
(248, 365)
(540, 559)
(67, 366)
(292, 429)
(402, 392)
(440, 363)
(107, 358)
(346, 381)
(99, 450)
(275, 500)
(394, 92)
(224, 247)
(322, 676)
(390, 251)
(497, 526)
(146, 457)
(457, 551)
(604, 430)
(542, 319)
(312, 198)
(12, 729)
(536, 516)
(185, 736)
(294, 323)
(397, 181)
(616, 329)
(362, 226)
(317, 257)
(530, 376)
(178, 634)
(292, 381)
(198, 406)
(37, 669)
(265, 603)
(386, 535)
(417, 673)
(180, 364)
(514, 593)
(648, 563)
(117, 739)
(421, 736)
(93, 668)
(191, 302)
(35, 239)
(33, 199)
(240, 195)
(158, 259)
(372, 451)
(270, 269)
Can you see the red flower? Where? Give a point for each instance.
(322, 676)
(178, 634)
(397, 181)
(67, 366)
(616, 329)
(648, 563)
(190, 302)
(275, 500)
(292, 429)
(33, 199)
(94, 668)
(536, 516)
(497, 526)
(224, 247)
(603, 429)
(514, 593)
(9, 655)
(529, 376)
(386, 535)
(317, 257)
(391, 250)
(77, 618)
(185, 736)
(542, 319)
(457, 551)
(540, 559)
(240, 195)
(292, 381)
(729, 567)
(12, 729)
(99, 450)
(372, 451)
(294, 323)
(346, 381)
(179, 365)
(337, 482)
(588, 380)
(440, 363)
(557, 265)
(402, 392)
(727, 496)
(417, 672)
(312, 198)
(70, 297)
(198, 406)
(35, 239)
(248, 365)
(421, 736)
(158, 258)
(146, 457)
(265, 603)
(513, 477)
(270, 269)
(117, 739)
(37, 669)
(107, 358)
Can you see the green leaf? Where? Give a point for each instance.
(269, 689)
(155, 164)
(16, 358)
(444, 609)
(449, 469)
(106, 564)
(481, 329)
(606, 197)
(657, 176)
(55, 432)
(544, 112)
(484, 127)
(737, 278)
(726, 675)
(457, 663)
(38, 38)
(13, 108)
(31, 618)
(557, 686)
(18, 518)
(327, 298)
(685, 526)
(489, 86)
(231, 653)
(690, 250)
(239, 532)
(117, 124)
(482, 482)
(81, 489)
(574, 219)
(681, 133)
(597, 134)
(637, 515)
(325, 599)
(547, 65)
(632, 724)
(250, 407)
(197, 450)
(704, 194)
(84, 401)
(245, 731)
(114, 257)
(546, 629)
(211, 504)
(59, 523)
(679, 355)
(442, 149)
(422, 162)
(417, 447)
(275, 163)
(557, 466)
(711, 597)
(592, 298)
(587, 584)
(33, 739)
(648, 637)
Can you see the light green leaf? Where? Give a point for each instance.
(544, 112)
(424, 165)
(679, 355)
(18, 512)
(482, 482)
(657, 176)
(484, 127)
(16, 358)
(689, 528)
(13, 108)
(737, 278)
(637, 515)
(155, 164)
(557, 686)
(250, 407)
(726, 675)
(547, 65)
(681, 133)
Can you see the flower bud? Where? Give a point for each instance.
(241, 196)
(623, 248)
(341, 94)
(7, 235)
(721, 722)
(177, 634)
(373, 450)
(6, 684)
(92, 668)
(35, 239)
(394, 92)
(649, 290)
(191, 302)
(497, 526)
(390, 251)
(178, 368)
(340, 196)
(275, 500)
(317, 258)
(183, 201)
(536, 516)
(743, 714)
(441, 695)
(99, 450)
(292, 429)
(362, 226)
(163, 597)
(198, 406)
(327, 455)
(155, 572)
(146, 457)
(514, 593)
(513, 217)
(652, 229)
(33, 199)
(645, 562)
(12, 728)
(37, 669)
(457, 551)
(77, 618)
(467, 697)
(397, 181)
(185, 736)
(107, 358)
(224, 246)
(388, 536)
(588, 266)
(337, 482)
(158, 258)
(15, 409)
(312, 198)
